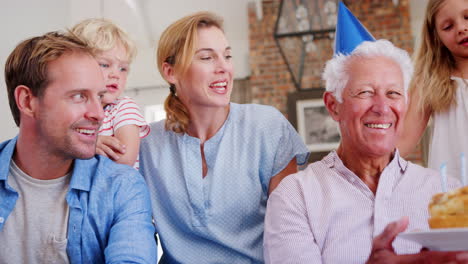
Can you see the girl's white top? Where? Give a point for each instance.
(450, 133)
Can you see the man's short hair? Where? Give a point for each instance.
(28, 63)
(336, 73)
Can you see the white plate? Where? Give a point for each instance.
(444, 239)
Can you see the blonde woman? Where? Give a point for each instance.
(439, 88)
(211, 164)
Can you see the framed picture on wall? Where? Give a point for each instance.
(309, 116)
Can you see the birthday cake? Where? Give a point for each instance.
(450, 209)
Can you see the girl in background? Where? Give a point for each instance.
(440, 86)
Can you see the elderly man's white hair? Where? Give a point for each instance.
(336, 73)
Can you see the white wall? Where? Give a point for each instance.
(21, 19)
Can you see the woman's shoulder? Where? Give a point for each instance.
(316, 176)
(157, 131)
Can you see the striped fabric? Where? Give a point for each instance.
(327, 214)
(122, 112)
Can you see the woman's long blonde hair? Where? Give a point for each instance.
(177, 48)
(431, 86)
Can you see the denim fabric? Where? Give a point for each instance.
(110, 211)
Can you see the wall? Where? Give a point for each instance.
(417, 9)
(270, 79)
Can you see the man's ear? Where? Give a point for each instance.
(332, 105)
(169, 73)
(25, 100)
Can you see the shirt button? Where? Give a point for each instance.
(2, 220)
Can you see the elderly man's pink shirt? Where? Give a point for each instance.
(327, 214)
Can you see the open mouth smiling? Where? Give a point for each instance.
(87, 132)
(219, 87)
(378, 126)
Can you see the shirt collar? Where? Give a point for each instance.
(83, 170)
(7, 149)
(401, 161)
(214, 140)
(333, 160)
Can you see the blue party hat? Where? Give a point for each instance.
(349, 31)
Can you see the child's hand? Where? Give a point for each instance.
(110, 147)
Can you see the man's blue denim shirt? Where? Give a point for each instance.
(110, 211)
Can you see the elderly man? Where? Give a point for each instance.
(350, 206)
(330, 212)
(59, 203)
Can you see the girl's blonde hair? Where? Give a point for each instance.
(177, 48)
(434, 63)
(103, 35)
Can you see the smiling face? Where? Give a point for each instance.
(69, 112)
(208, 80)
(451, 22)
(114, 65)
(372, 113)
